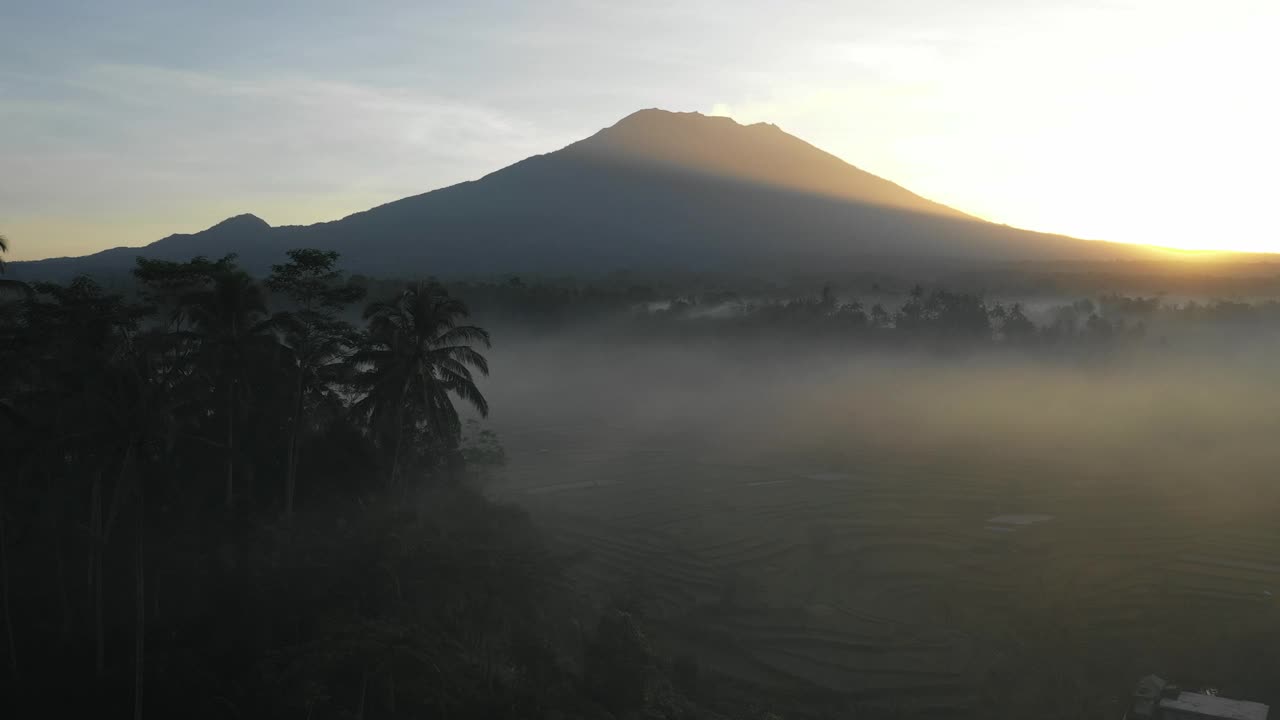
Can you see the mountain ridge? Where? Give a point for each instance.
(657, 189)
(647, 135)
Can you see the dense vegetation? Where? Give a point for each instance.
(214, 505)
(868, 312)
(231, 497)
(873, 317)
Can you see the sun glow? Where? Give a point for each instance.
(1144, 121)
(1135, 122)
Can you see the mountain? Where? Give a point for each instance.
(658, 190)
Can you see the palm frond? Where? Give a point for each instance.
(464, 355)
(452, 370)
(470, 393)
(463, 334)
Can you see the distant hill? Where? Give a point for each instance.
(658, 190)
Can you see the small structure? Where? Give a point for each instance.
(1154, 699)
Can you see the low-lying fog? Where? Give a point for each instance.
(932, 532)
(1133, 414)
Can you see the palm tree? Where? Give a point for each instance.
(415, 356)
(13, 284)
(317, 339)
(228, 318)
(87, 410)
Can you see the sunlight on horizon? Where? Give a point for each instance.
(1126, 120)
(1168, 142)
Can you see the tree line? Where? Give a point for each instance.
(157, 448)
(224, 497)
(199, 366)
(936, 317)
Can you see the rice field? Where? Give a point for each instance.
(920, 583)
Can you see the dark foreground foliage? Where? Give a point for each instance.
(222, 499)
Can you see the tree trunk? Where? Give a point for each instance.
(140, 627)
(454, 464)
(60, 563)
(99, 632)
(291, 469)
(248, 473)
(391, 692)
(231, 444)
(95, 519)
(4, 579)
(101, 532)
(95, 576)
(364, 688)
(395, 455)
(64, 599)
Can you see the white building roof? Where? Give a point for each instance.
(1209, 706)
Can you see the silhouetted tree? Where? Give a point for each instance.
(83, 427)
(228, 317)
(6, 284)
(1014, 325)
(879, 317)
(414, 356)
(317, 338)
(851, 315)
(945, 315)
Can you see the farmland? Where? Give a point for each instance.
(923, 581)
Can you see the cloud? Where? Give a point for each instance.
(298, 125)
(121, 139)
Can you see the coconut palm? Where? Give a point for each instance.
(10, 285)
(316, 338)
(415, 357)
(228, 318)
(84, 410)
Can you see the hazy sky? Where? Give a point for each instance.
(1137, 120)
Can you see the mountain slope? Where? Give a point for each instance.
(760, 153)
(658, 190)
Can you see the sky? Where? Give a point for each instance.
(1150, 121)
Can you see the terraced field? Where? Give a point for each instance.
(914, 582)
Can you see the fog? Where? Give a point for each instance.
(1182, 412)
(769, 498)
